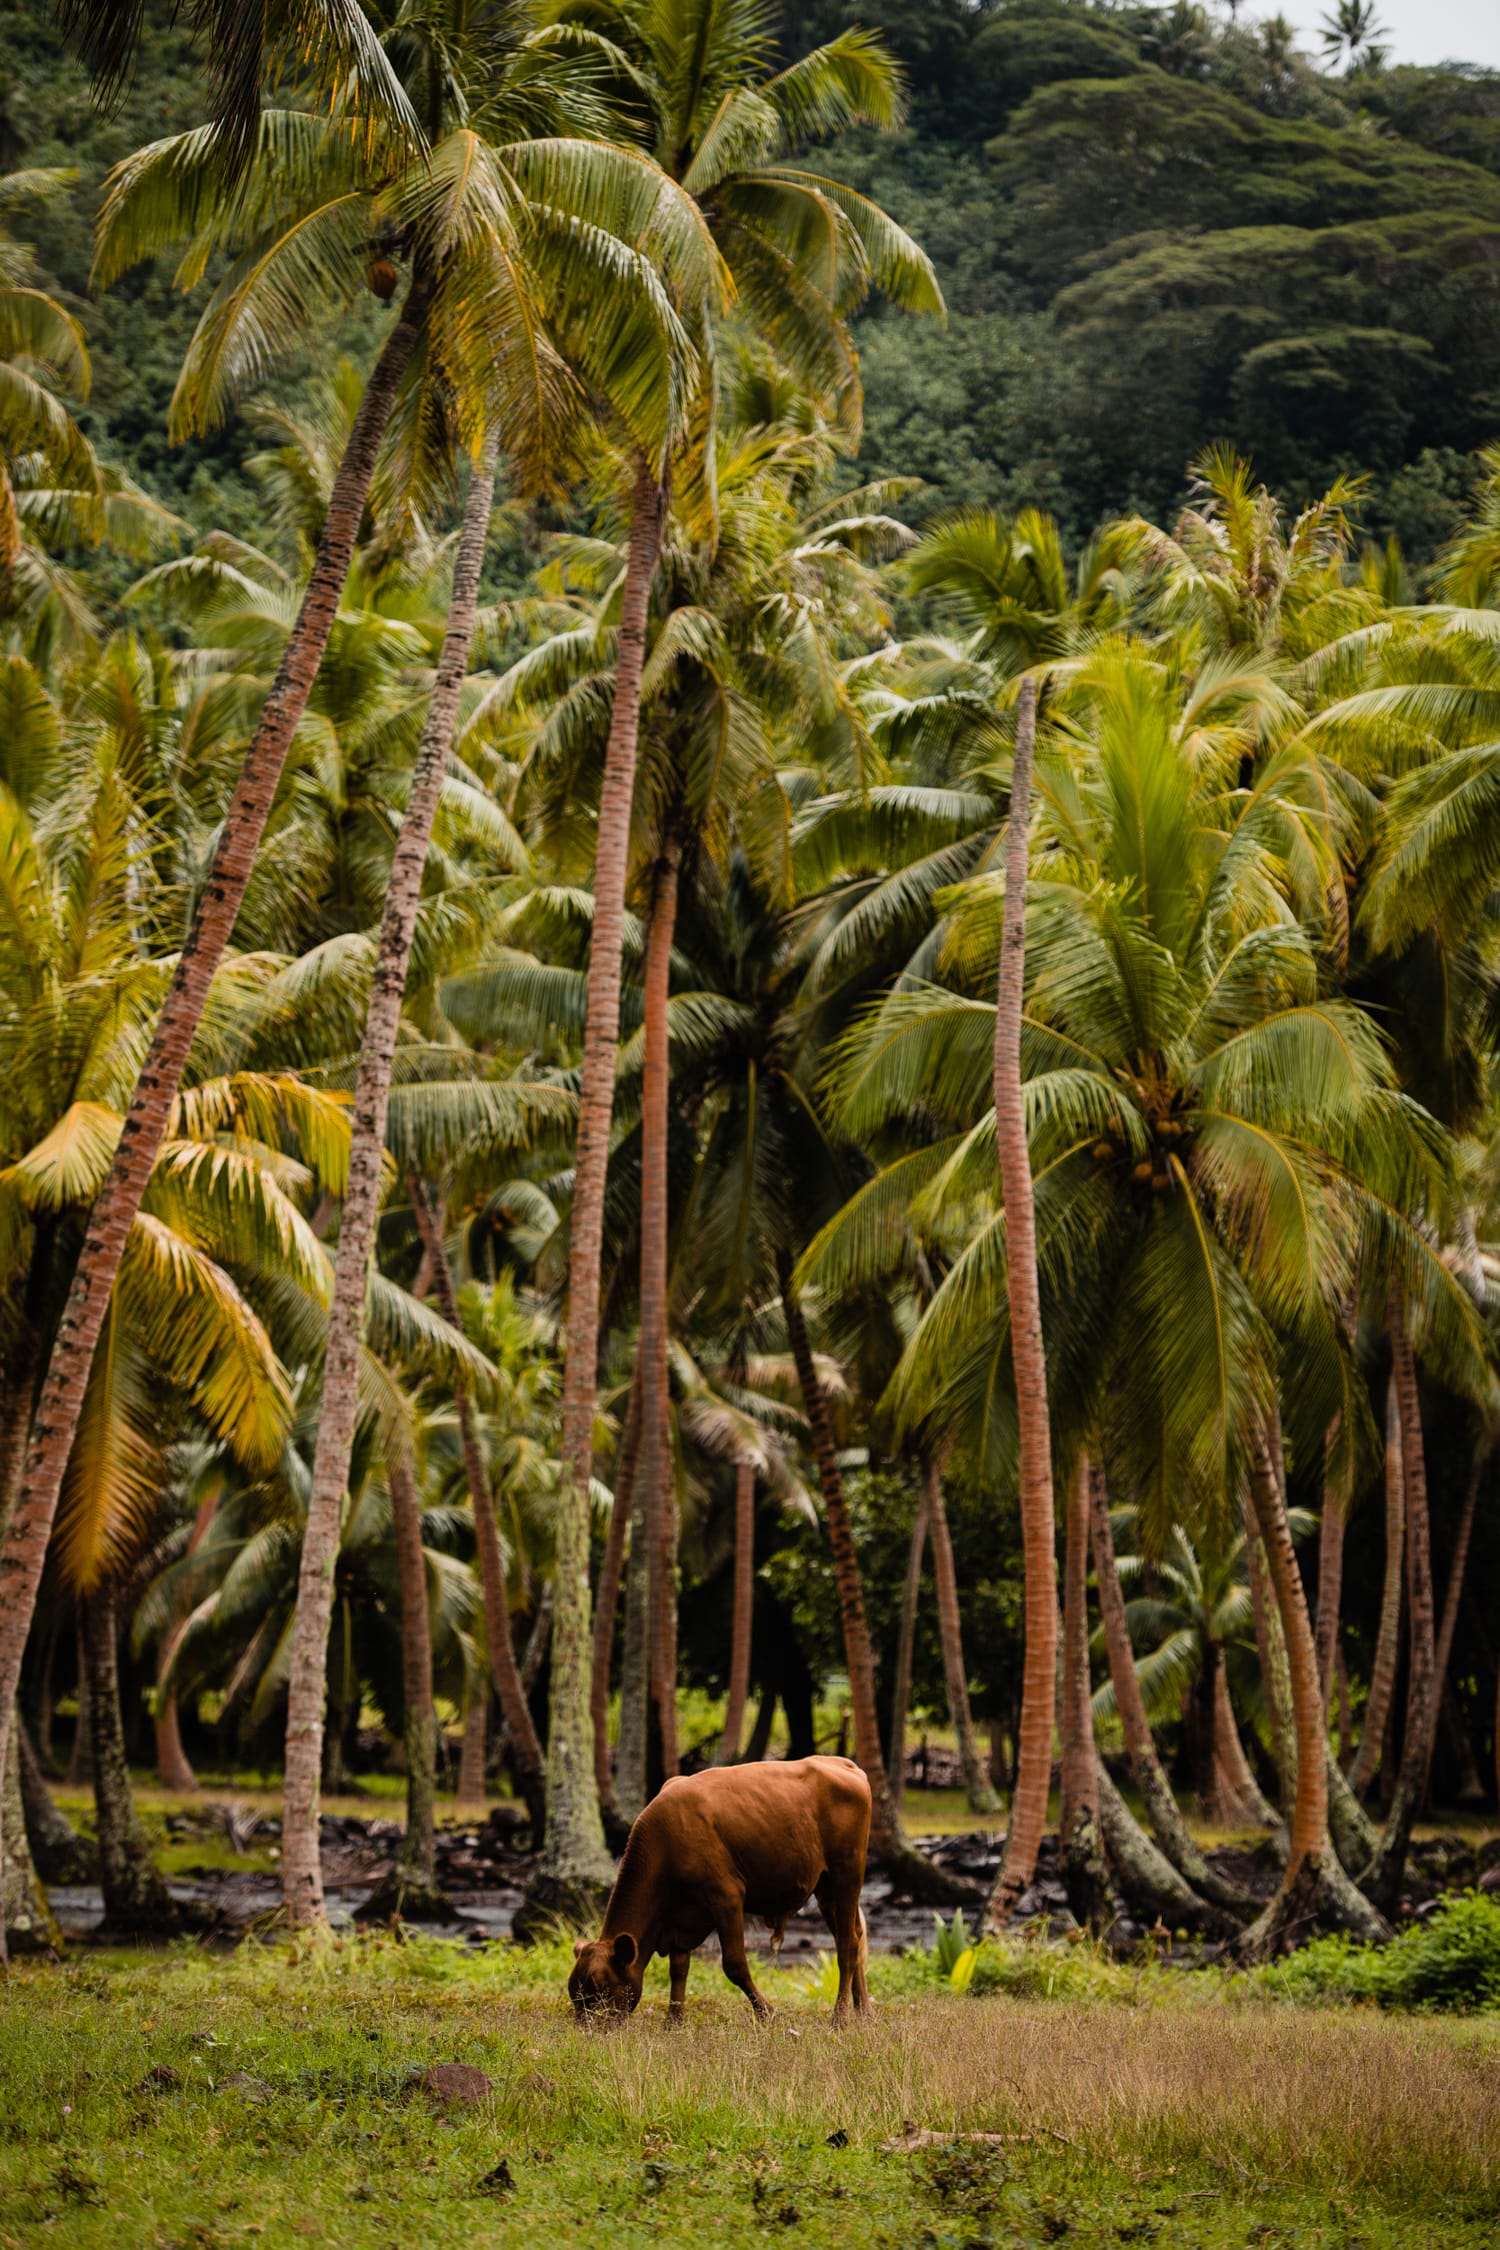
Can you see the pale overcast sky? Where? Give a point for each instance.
(1421, 31)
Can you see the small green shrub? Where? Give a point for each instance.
(1447, 1963)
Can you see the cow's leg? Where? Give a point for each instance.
(729, 1920)
(680, 1964)
(839, 1900)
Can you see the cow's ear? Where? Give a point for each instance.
(580, 1947)
(624, 1950)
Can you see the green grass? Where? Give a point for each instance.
(1176, 2110)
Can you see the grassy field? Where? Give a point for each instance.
(187, 2102)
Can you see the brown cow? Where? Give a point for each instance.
(716, 1846)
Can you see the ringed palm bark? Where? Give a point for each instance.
(575, 1856)
(1388, 1633)
(1084, 1870)
(412, 1887)
(895, 1756)
(303, 216)
(1382, 1878)
(1313, 1883)
(743, 1609)
(711, 117)
(1028, 1808)
(302, 1888)
(656, 1466)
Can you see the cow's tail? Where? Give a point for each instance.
(864, 1943)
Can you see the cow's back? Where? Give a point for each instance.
(772, 1829)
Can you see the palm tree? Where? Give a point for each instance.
(1354, 31)
(1028, 1811)
(54, 492)
(307, 222)
(1227, 1090)
(328, 41)
(720, 125)
(301, 1865)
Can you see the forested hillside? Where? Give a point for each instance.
(1153, 228)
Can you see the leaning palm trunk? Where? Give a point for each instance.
(607, 1600)
(411, 1887)
(977, 1784)
(651, 1344)
(1270, 1644)
(1388, 1637)
(60, 1854)
(135, 1896)
(1448, 1626)
(1028, 1811)
(525, 1748)
(1162, 1811)
(1084, 1869)
(302, 1881)
(895, 1757)
(1237, 1782)
(1314, 1887)
(1382, 1879)
(744, 1610)
(575, 1861)
(888, 1843)
(55, 1420)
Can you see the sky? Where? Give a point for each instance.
(1420, 31)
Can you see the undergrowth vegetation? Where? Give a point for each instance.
(193, 2103)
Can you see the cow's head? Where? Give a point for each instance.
(608, 1972)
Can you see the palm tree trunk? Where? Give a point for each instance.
(26, 1923)
(1330, 1582)
(977, 1784)
(1237, 1779)
(173, 1767)
(471, 1789)
(525, 1747)
(886, 1838)
(895, 1757)
(135, 1896)
(1382, 1879)
(607, 1600)
(1314, 1887)
(1084, 1869)
(575, 1860)
(744, 1610)
(635, 1662)
(1388, 1638)
(80, 1773)
(302, 1880)
(411, 1888)
(1452, 1596)
(55, 1420)
(1162, 1811)
(1028, 1811)
(59, 1853)
(911, 1874)
(651, 1345)
(1270, 1642)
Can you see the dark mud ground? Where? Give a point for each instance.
(484, 1869)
